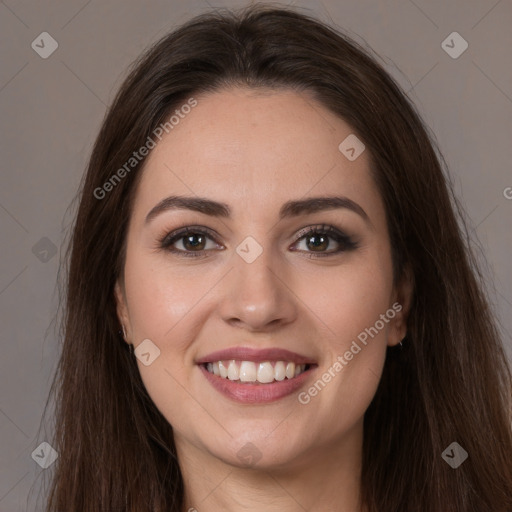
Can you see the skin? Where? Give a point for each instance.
(255, 150)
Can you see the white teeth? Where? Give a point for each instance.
(233, 371)
(223, 370)
(249, 371)
(265, 373)
(279, 371)
(290, 370)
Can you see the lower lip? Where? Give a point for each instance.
(256, 393)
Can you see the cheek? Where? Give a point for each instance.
(163, 308)
(349, 302)
(162, 299)
(348, 299)
(167, 307)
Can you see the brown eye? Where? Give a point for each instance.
(317, 242)
(190, 241)
(324, 241)
(194, 241)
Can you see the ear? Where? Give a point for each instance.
(122, 307)
(401, 304)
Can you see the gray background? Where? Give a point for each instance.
(51, 110)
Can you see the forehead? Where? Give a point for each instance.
(257, 147)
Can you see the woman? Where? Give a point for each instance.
(270, 302)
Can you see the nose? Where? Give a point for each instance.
(259, 295)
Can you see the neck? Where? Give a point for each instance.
(324, 479)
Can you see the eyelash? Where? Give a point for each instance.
(345, 242)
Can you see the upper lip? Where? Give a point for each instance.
(255, 355)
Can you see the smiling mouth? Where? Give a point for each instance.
(251, 372)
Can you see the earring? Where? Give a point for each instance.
(128, 346)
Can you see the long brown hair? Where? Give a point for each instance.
(450, 382)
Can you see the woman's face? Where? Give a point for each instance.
(248, 280)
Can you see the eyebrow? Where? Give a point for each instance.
(289, 209)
